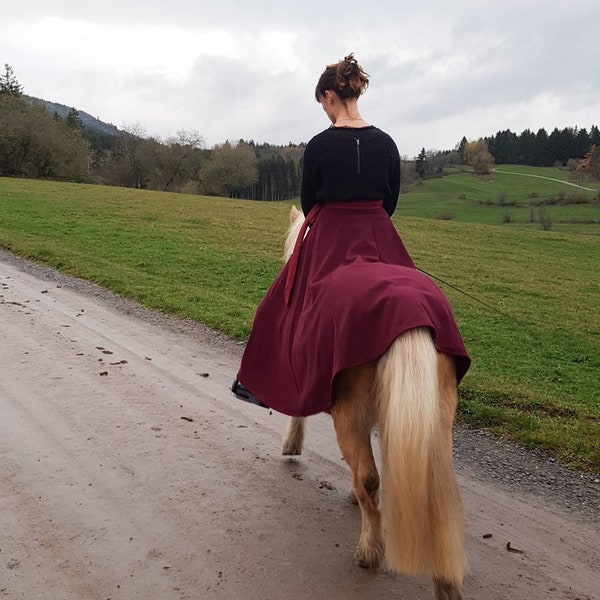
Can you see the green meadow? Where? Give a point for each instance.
(513, 196)
(530, 321)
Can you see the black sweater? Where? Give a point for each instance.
(348, 164)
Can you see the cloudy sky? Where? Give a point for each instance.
(247, 69)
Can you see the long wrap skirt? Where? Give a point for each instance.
(349, 290)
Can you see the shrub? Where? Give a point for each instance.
(507, 217)
(545, 220)
(445, 216)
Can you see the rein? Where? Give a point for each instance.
(294, 258)
(488, 306)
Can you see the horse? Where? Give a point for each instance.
(410, 393)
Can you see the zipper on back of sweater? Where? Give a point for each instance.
(358, 155)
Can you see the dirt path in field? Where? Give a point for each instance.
(575, 185)
(128, 471)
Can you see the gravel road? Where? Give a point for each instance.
(128, 471)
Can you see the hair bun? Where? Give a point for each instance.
(346, 78)
(351, 77)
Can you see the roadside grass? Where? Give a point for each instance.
(536, 358)
(196, 257)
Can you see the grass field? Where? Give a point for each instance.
(536, 351)
(507, 199)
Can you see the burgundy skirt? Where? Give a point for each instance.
(353, 290)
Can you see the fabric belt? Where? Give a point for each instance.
(295, 258)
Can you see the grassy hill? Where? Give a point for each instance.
(535, 346)
(505, 198)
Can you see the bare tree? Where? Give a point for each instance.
(476, 155)
(228, 168)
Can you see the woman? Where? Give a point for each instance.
(350, 287)
(351, 160)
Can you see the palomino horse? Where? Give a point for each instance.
(411, 394)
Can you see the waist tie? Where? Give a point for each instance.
(295, 258)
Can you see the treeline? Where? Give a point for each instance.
(542, 149)
(36, 142)
(574, 148)
(44, 140)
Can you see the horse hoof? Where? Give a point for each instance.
(352, 497)
(368, 559)
(291, 450)
(445, 590)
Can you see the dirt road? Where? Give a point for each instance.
(128, 471)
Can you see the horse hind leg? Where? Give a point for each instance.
(445, 590)
(293, 438)
(449, 514)
(353, 413)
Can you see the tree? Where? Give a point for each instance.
(129, 166)
(407, 173)
(228, 168)
(477, 155)
(421, 164)
(541, 154)
(460, 148)
(74, 120)
(177, 161)
(504, 147)
(558, 146)
(581, 143)
(594, 164)
(526, 148)
(9, 84)
(595, 136)
(34, 144)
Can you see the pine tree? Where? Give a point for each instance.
(74, 120)
(421, 164)
(461, 148)
(9, 84)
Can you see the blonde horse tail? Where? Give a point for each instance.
(421, 510)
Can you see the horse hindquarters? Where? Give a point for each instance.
(422, 517)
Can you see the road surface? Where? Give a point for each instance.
(128, 471)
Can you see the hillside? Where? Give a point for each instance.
(96, 130)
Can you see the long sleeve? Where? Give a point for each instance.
(311, 179)
(390, 202)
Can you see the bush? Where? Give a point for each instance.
(544, 219)
(445, 216)
(507, 217)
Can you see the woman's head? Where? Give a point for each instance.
(346, 79)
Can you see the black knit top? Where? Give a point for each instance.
(348, 164)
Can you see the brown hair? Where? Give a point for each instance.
(346, 78)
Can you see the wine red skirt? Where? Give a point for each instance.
(350, 290)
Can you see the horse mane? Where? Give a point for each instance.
(292, 234)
